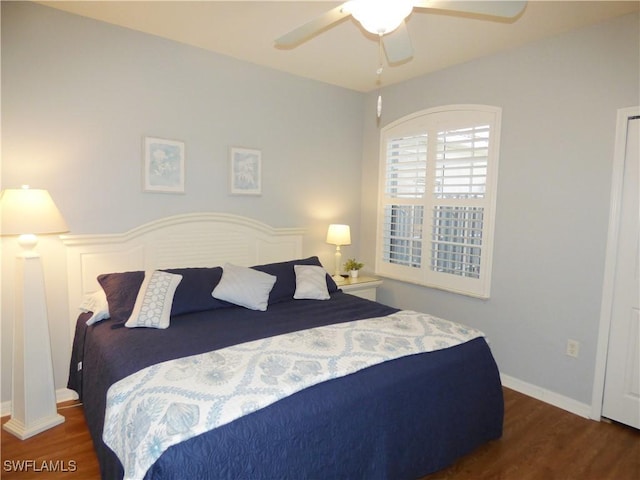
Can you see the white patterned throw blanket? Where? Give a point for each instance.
(170, 402)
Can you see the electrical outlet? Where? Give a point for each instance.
(573, 348)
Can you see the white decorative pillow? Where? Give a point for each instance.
(244, 286)
(153, 303)
(311, 283)
(96, 303)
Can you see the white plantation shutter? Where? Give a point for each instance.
(437, 198)
(461, 162)
(403, 234)
(406, 168)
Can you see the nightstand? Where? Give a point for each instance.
(362, 286)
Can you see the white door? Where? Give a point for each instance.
(622, 378)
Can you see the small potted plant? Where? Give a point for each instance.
(352, 266)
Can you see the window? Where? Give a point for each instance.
(437, 198)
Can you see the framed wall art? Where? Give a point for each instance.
(163, 165)
(245, 171)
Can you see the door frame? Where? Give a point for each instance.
(617, 178)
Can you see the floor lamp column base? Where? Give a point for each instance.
(20, 430)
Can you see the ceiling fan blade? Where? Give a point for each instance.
(397, 45)
(312, 28)
(502, 9)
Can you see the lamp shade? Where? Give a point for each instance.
(339, 234)
(30, 211)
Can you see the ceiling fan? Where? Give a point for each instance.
(386, 18)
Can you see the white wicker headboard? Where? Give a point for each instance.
(189, 240)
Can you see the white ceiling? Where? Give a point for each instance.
(343, 55)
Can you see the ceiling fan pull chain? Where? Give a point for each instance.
(379, 74)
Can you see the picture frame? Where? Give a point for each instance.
(163, 165)
(245, 167)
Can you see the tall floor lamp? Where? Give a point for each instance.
(27, 212)
(338, 235)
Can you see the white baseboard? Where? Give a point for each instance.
(62, 395)
(5, 408)
(547, 396)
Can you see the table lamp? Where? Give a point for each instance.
(27, 212)
(338, 235)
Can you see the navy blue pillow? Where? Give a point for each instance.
(121, 290)
(194, 291)
(285, 285)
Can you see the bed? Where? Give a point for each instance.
(405, 416)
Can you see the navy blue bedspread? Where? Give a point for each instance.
(400, 419)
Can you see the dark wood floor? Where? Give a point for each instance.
(540, 442)
(66, 448)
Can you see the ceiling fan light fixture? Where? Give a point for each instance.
(380, 16)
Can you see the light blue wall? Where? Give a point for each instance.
(78, 96)
(559, 99)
